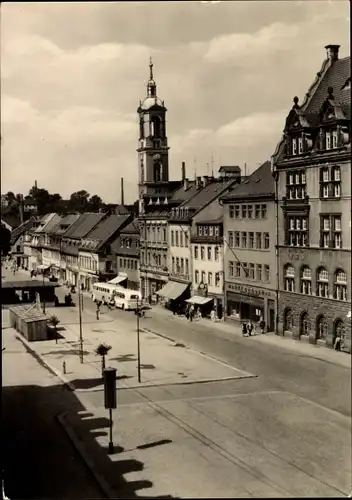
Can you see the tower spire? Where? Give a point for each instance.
(151, 92)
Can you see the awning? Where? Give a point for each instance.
(42, 267)
(173, 289)
(196, 299)
(117, 280)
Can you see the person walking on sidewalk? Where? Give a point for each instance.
(244, 329)
(250, 327)
(337, 343)
(262, 326)
(98, 309)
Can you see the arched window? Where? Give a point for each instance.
(288, 320)
(322, 283)
(322, 328)
(306, 280)
(141, 128)
(155, 125)
(340, 285)
(304, 326)
(339, 331)
(289, 278)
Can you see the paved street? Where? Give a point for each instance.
(285, 432)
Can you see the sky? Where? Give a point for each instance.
(72, 76)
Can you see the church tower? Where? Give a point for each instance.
(153, 151)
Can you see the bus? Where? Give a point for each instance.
(127, 300)
(104, 292)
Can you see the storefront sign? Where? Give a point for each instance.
(251, 291)
(295, 253)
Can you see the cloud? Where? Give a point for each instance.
(73, 74)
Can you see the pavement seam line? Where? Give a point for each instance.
(79, 446)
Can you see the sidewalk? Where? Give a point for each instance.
(162, 362)
(231, 328)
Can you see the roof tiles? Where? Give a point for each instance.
(83, 225)
(260, 183)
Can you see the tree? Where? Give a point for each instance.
(5, 238)
(102, 351)
(95, 203)
(79, 201)
(54, 321)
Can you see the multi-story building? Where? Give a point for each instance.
(39, 238)
(126, 249)
(71, 242)
(312, 169)
(200, 206)
(249, 242)
(208, 259)
(97, 261)
(17, 241)
(52, 249)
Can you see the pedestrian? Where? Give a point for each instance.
(98, 309)
(244, 329)
(191, 313)
(250, 327)
(337, 343)
(262, 325)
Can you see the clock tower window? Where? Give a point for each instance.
(155, 126)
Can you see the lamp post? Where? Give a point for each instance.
(80, 313)
(43, 292)
(138, 344)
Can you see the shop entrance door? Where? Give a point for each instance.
(271, 326)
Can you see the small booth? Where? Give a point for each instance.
(30, 321)
(174, 294)
(16, 292)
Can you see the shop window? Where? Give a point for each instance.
(304, 328)
(322, 328)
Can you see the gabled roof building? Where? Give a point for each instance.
(312, 170)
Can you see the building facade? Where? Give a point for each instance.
(249, 219)
(126, 249)
(312, 168)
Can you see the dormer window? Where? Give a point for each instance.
(205, 231)
(200, 231)
(300, 145)
(334, 139)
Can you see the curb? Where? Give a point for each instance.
(43, 362)
(79, 446)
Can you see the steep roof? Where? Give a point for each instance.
(336, 76)
(83, 225)
(22, 228)
(106, 228)
(131, 228)
(182, 194)
(207, 193)
(11, 220)
(64, 224)
(47, 222)
(259, 183)
(229, 168)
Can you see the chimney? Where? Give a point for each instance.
(332, 52)
(185, 184)
(198, 182)
(205, 180)
(122, 193)
(35, 184)
(183, 170)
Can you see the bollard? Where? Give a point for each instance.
(64, 367)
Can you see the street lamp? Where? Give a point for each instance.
(80, 313)
(138, 343)
(43, 292)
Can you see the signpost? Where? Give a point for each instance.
(110, 399)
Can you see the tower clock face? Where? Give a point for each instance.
(157, 157)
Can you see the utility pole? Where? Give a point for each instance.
(43, 292)
(138, 344)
